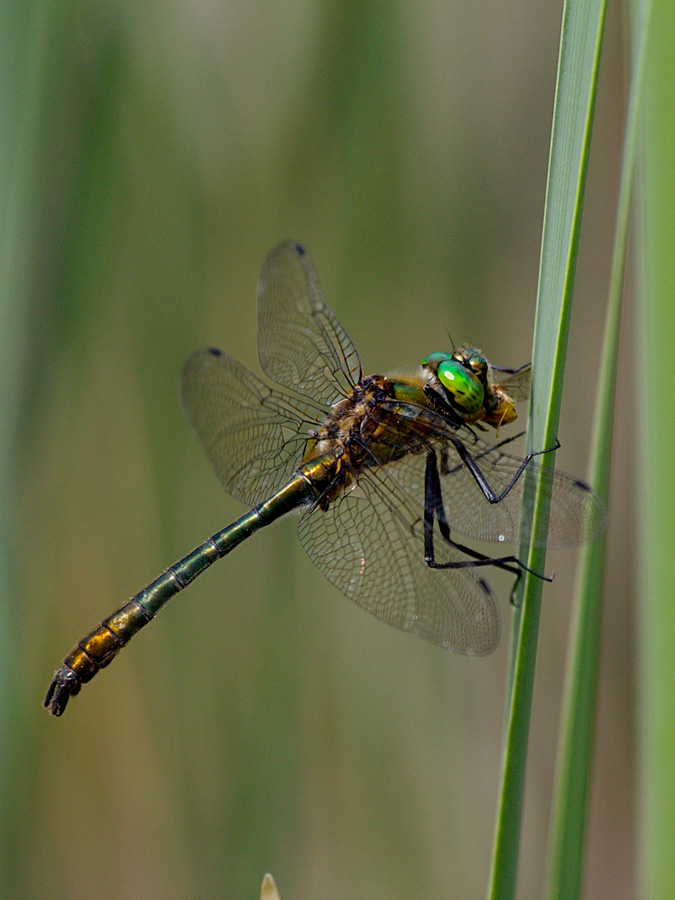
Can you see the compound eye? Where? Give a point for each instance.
(462, 385)
(479, 365)
(433, 360)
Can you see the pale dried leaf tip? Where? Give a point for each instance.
(269, 891)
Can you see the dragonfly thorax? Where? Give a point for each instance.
(382, 420)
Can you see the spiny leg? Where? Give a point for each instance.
(504, 371)
(447, 469)
(433, 506)
(482, 481)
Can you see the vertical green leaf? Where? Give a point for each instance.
(656, 535)
(576, 737)
(580, 45)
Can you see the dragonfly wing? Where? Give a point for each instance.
(515, 384)
(369, 543)
(301, 344)
(254, 436)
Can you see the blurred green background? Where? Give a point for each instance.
(151, 155)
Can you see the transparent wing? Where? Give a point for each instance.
(369, 543)
(516, 384)
(300, 342)
(577, 515)
(254, 436)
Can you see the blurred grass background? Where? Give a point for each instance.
(152, 155)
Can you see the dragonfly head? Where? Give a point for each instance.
(462, 385)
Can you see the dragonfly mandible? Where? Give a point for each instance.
(384, 469)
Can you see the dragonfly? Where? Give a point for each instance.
(384, 470)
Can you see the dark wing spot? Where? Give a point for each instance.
(486, 587)
(582, 486)
(214, 351)
(301, 250)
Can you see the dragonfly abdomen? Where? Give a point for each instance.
(98, 649)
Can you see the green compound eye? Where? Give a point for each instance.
(433, 360)
(463, 386)
(479, 365)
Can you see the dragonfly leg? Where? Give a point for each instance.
(442, 406)
(447, 469)
(503, 371)
(433, 507)
(480, 478)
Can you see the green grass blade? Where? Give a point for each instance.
(566, 853)
(580, 45)
(656, 485)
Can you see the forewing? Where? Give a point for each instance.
(369, 543)
(515, 384)
(301, 344)
(254, 436)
